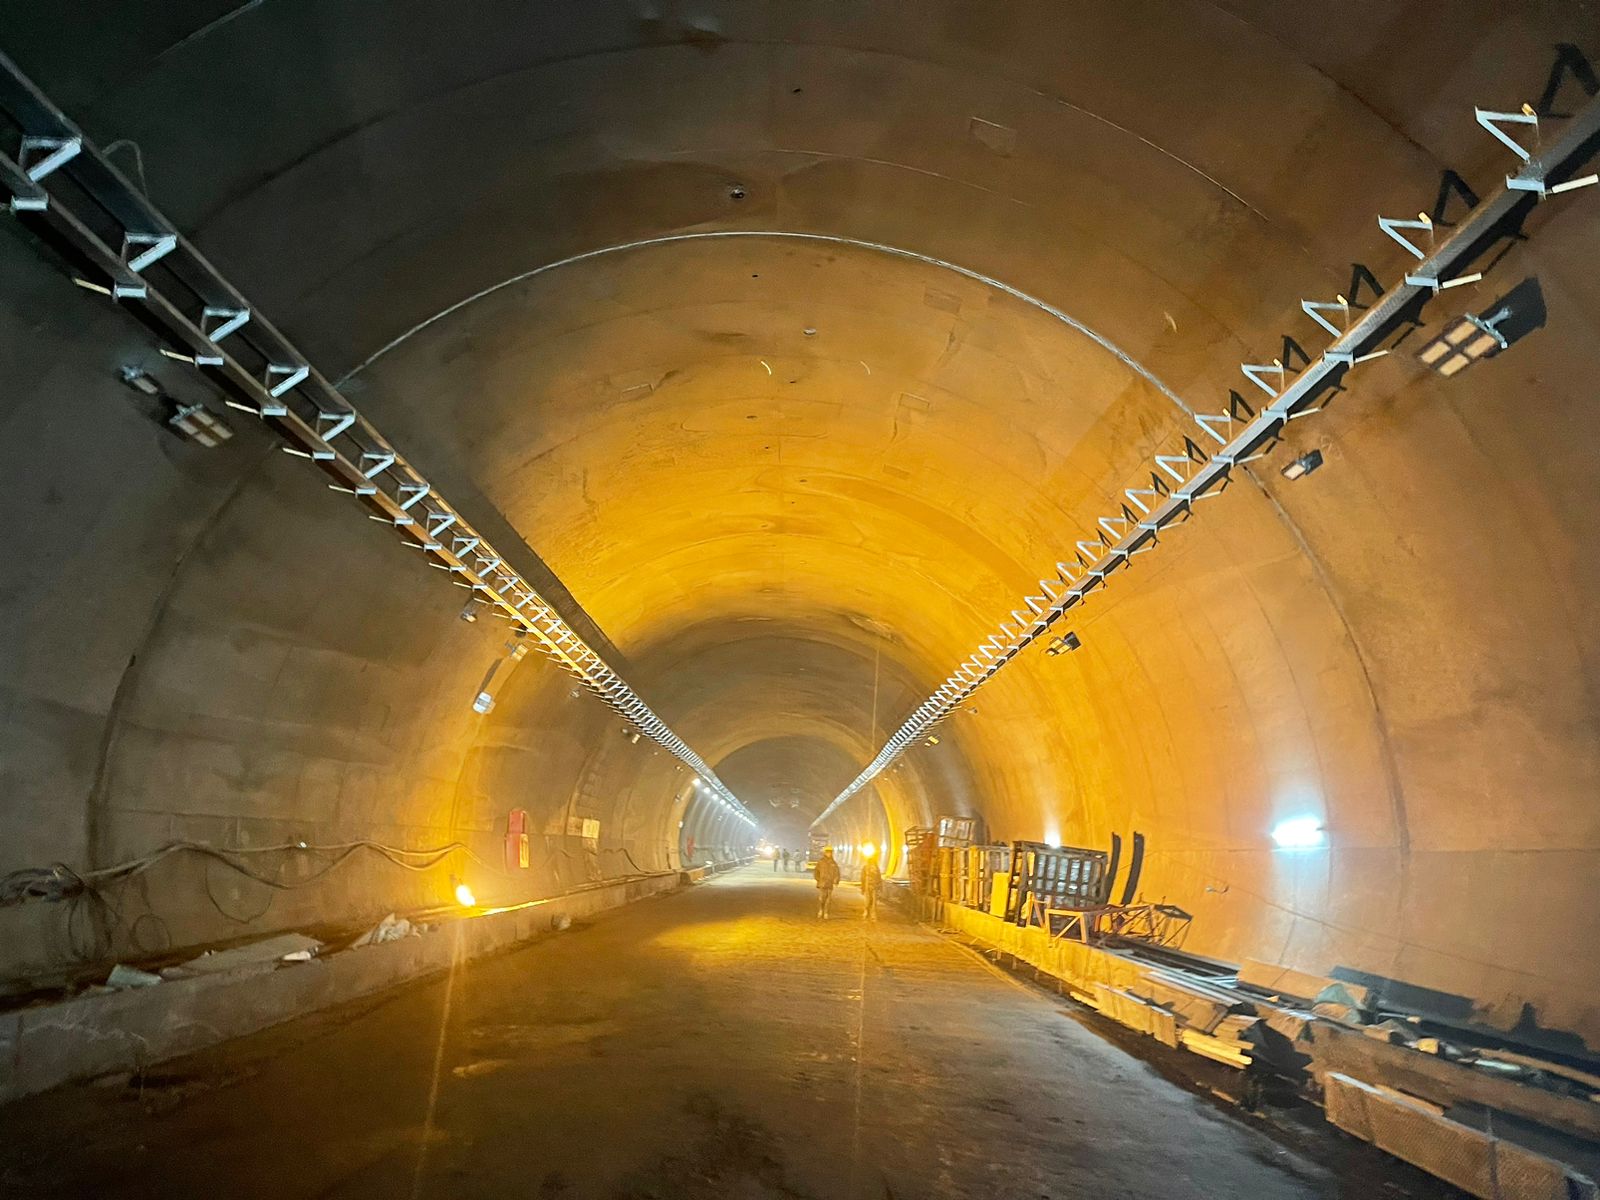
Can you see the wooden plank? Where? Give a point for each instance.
(1229, 1053)
(1197, 1010)
(1338, 1049)
(1476, 1162)
(1137, 1013)
(1235, 1027)
(1121, 1007)
(1163, 1026)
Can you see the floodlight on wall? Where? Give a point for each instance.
(494, 678)
(194, 422)
(140, 382)
(1464, 341)
(1062, 644)
(1298, 833)
(200, 425)
(1475, 336)
(1304, 465)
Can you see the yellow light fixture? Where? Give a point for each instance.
(464, 896)
(868, 849)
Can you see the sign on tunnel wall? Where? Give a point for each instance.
(574, 825)
(517, 839)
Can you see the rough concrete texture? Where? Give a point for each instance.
(796, 479)
(720, 1042)
(45, 1045)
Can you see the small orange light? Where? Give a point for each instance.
(464, 896)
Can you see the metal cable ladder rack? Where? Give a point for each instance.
(1178, 481)
(66, 188)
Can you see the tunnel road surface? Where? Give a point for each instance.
(717, 1042)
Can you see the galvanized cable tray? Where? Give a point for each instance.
(1208, 454)
(124, 248)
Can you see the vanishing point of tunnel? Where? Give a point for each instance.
(845, 599)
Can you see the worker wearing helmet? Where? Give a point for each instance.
(826, 873)
(871, 880)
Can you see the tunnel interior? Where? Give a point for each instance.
(784, 348)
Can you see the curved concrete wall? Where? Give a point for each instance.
(795, 478)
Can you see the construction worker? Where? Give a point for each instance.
(784, 855)
(871, 880)
(826, 873)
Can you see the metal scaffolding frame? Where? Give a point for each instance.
(123, 247)
(1228, 439)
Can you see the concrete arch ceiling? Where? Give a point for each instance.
(774, 468)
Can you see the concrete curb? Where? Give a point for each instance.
(700, 874)
(46, 1046)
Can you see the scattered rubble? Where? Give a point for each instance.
(391, 929)
(266, 954)
(123, 976)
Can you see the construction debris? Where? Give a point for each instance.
(1390, 1077)
(1225, 1047)
(1580, 1083)
(1476, 1161)
(130, 977)
(263, 955)
(391, 929)
(1202, 1007)
(1390, 1032)
(1452, 1080)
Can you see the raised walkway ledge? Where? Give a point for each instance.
(46, 1045)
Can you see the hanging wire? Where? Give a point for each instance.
(61, 882)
